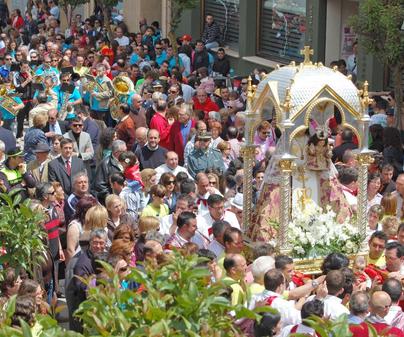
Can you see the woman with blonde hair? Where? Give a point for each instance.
(149, 178)
(147, 224)
(225, 148)
(117, 214)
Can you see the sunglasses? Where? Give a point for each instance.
(173, 92)
(58, 39)
(77, 125)
(9, 59)
(171, 182)
(157, 48)
(243, 83)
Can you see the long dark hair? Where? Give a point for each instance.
(391, 137)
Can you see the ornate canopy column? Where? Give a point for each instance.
(248, 151)
(286, 164)
(365, 158)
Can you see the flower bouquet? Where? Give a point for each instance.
(316, 233)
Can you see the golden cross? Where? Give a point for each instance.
(306, 51)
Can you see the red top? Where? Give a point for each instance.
(176, 141)
(160, 123)
(133, 173)
(208, 106)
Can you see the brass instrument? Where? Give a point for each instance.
(65, 109)
(92, 83)
(7, 103)
(123, 86)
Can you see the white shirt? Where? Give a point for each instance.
(375, 201)
(123, 41)
(178, 241)
(333, 306)
(215, 247)
(164, 169)
(394, 310)
(165, 224)
(289, 314)
(205, 221)
(286, 331)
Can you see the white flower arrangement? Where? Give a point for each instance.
(314, 233)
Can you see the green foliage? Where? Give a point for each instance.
(45, 326)
(379, 26)
(177, 9)
(21, 233)
(177, 300)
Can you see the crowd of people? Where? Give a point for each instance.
(130, 147)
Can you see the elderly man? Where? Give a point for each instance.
(141, 138)
(151, 155)
(160, 123)
(204, 157)
(171, 165)
(380, 304)
(80, 189)
(54, 126)
(215, 212)
(236, 266)
(105, 168)
(204, 190)
(204, 103)
(39, 166)
(180, 131)
(76, 291)
(137, 111)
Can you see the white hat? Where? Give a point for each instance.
(237, 201)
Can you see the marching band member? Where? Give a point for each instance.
(80, 68)
(100, 95)
(46, 88)
(66, 104)
(23, 85)
(47, 69)
(10, 104)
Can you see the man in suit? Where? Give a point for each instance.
(54, 126)
(6, 136)
(180, 133)
(39, 166)
(63, 168)
(82, 145)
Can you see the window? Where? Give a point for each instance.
(282, 27)
(226, 13)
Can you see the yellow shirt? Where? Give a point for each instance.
(150, 210)
(256, 288)
(238, 296)
(380, 262)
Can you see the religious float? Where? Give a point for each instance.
(301, 205)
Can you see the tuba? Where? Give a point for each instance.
(7, 103)
(123, 87)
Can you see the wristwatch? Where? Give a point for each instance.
(314, 284)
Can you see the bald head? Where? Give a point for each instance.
(380, 303)
(171, 159)
(141, 135)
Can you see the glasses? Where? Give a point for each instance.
(9, 59)
(77, 125)
(157, 48)
(58, 39)
(213, 182)
(265, 132)
(171, 182)
(244, 83)
(173, 92)
(52, 193)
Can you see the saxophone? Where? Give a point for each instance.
(65, 109)
(7, 103)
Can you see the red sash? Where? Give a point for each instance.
(270, 299)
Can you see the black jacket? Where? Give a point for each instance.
(222, 66)
(105, 168)
(200, 59)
